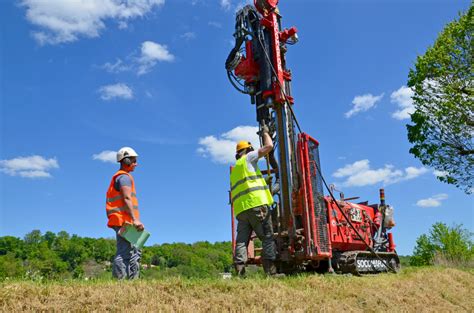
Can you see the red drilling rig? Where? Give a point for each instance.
(311, 231)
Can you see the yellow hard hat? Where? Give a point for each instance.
(242, 145)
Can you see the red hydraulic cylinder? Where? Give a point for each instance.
(391, 244)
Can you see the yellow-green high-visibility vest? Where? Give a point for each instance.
(248, 189)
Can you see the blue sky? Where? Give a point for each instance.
(80, 81)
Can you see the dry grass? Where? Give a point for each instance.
(441, 259)
(414, 290)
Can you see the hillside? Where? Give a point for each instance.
(415, 289)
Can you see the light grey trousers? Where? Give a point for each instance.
(259, 220)
(127, 259)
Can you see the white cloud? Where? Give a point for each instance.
(188, 35)
(221, 149)
(225, 4)
(440, 173)
(119, 90)
(30, 167)
(352, 169)
(403, 114)
(215, 24)
(229, 5)
(360, 174)
(363, 103)
(433, 201)
(403, 98)
(122, 25)
(413, 172)
(106, 156)
(151, 53)
(243, 3)
(116, 67)
(63, 21)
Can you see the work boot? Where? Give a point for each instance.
(240, 269)
(270, 269)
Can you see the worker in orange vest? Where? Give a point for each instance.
(122, 207)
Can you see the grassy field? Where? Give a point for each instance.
(414, 289)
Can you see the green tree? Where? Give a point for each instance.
(33, 237)
(423, 253)
(102, 249)
(72, 251)
(10, 244)
(42, 261)
(443, 122)
(61, 255)
(50, 238)
(444, 245)
(10, 266)
(200, 259)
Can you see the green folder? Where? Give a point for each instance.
(132, 235)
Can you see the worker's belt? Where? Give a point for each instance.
(243, 193)
(253, 177)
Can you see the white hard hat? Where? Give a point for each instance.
(125, 152)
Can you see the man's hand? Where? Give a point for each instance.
(138, 225)
(267, 141)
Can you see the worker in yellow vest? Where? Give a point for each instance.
(122, 207)
(251, 200)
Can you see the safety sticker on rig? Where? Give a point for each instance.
(356, 215)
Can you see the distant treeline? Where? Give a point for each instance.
(62, 255)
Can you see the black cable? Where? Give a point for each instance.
(237, 79)
(233, 83)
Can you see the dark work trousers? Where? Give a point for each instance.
(127, 259)
(259, 220)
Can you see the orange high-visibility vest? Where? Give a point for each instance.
(116, 209)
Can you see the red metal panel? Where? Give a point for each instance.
(303, 201)
(248, 69)
(311, 222)
(343, 237)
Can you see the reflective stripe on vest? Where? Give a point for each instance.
(116, 208)
(248, 189)
(119, 197)
(244, 192)
(244, 180)
(124, 208)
